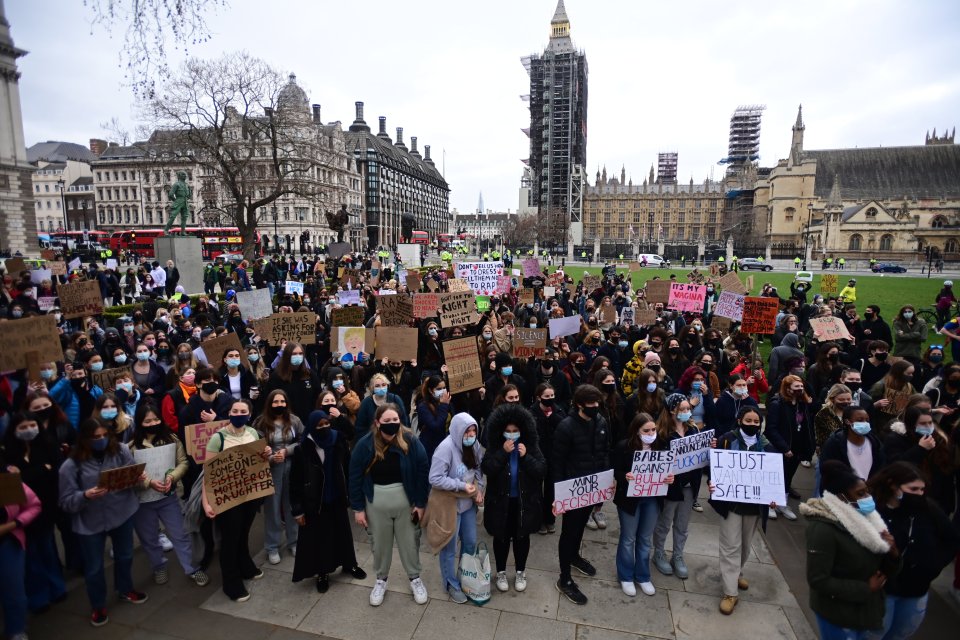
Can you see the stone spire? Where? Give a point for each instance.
(796, 145)
(834, 200)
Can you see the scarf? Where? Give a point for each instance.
(864, 529)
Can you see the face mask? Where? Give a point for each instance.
(346, 365)
(546, 364)
(866, 506)
(861, 428)
(623, 344)
(834, 357)
(96, 366)
(469, 441)
(184, 355)
(853, 386)
(142, 356)
(488, 336)
(683, 416)
(126, 386)
(253, 357)
(47, 374)
(648, 438)
(17, 313)
(696, 386)
(120, 359)
(507, 371)
(609, 387)
(296, 360)
(924, 431)
(651, 387)
(438, 393)
(108, 414)
(741, 391)
(27, 434)
(936, 359)
(749, 430)
(653, 367)
(233, 363)
(533, 325)
(239, 421)
(99, 445)
(547, 402)
(380, 391)
(337, 384)
(150, 343)
(674, 350)
(188, 380)
(709, 289)
(953, 383)
(880, 356)
(515, 435)
(128, 329)
(209, 388)
(591, 412)
(390, 428)
(907, 315)
(432, 332)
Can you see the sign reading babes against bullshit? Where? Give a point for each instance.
(584, 491)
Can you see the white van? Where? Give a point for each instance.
(653, 260)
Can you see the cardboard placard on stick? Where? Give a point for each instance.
(413, 281)
(20, 337)
(759, 315)
(57, 267)
(646, 317)
(105, 377)
(529, 343)
(396, 311)
(591, 283)
(11, 489)
(48, 254)
(458, 309)
(237, 475)
(216, 348)
(457, 284)
(658, 291)
(14, 266)
(608, 313)
(300, 326)
(80, 299)
(350, 278)
(829, 284)
(198, 435)
(730, 281)
(399, 344)
(526, 296)
(828, 329)
(463, 364)
(347, 317)
(121, 477)
(255, 304)
(721, 324)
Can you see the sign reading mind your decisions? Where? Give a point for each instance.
(584, 491)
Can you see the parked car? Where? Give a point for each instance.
(752, 263)
(653, 260)
(887, 267)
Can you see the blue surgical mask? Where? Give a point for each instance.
(907, 315)
(143, 356)
(120, 359)
(99, 445)
(696, 386)
(380, 391)
(924, 431)
(96, 366)
(683, 416)
(741, 391)
(623, 344)
(651, 387)
(432, 332)
(438, 393)
(507, 371)
(296, 360)
(346, 365)
(861, 428)
(126, 386)
(108, 414)
(469, 441)
(47, 374)
(253, 357)
(233, 363)
(515, 435)
(337, 384)
(866, 506)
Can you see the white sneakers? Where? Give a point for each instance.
(418, 588)
(648, 588)
(787, 512)
(520, 581)
(629, 588)
(273, 557)
(376, 596)
(502, 583)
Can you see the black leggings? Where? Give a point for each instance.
(571, 535)
(521, 544)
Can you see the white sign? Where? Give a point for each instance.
(45, 303)
(348, 297)
(568, 326)
(650, 470)
(111, 264)
(584, 491)
(255, 304)
(750, 477)
(549, 292)
(692, 452)
(729, 305)
(293, 286)
(159, 461)
(627, 315)
(74, 264)
(481, 276)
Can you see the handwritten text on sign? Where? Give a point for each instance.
(750, 477)
(692, 452)
(584, 491)
(686, 297)
(197, 436)
(650, 470)
(759, 315)
(730, 305)
(481, 276)
(237, 475)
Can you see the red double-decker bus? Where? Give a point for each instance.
(214, 241)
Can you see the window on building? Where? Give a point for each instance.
(99, 178)
(789, 213)
(856, 240)
(886, 241)
(46, 188)
(951, 246)
(123, 175)
(622, 217)
(133, 192)
(938, 222)
(872, 213)
(682, 204)
(48, 204)
(116, 176)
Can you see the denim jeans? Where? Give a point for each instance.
(278, 505)
(633, 549)
(44, 578)
(830, 631)
(902, 618)
(92, 548)
(466, 532)
(13, 599)
(147, 521)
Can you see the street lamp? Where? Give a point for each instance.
(276, 234)
(63, 203)
(806, 236)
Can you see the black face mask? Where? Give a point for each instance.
(609, 387)
(674, 350)
(43, 414)
(953, 383)
(151, 429)
(390, 428)
(853, 386)
(881, 356)
(834, 357)
(653, 367)
(749, 431)
(546, 364)
(209, 388)
(913, 502)
(591, 412)
(547, 402)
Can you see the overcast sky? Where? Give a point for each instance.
(664, 76)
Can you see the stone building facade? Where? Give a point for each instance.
(62, 166)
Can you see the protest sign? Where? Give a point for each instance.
(395, 310)
(45, 303)
(80, 299)
(111, 263)
(759, 315)
(432, 285)
(714, 269)
(352, 340)
(526, 296)
(555, 279)
(692, 452)
(457, 309)
(347, 317)
(14, 266)
(897, 401)
(608, 313)
(531, 267)
(827, 329)
(696, 277)
(686, 297)
(48, 254)
(338, 249)
(75, 264)
(350, 278)
(349, 297)
(609, 271)
(399, 344)
(293, 287)
(750, 477)
(426, 305)
(237, 475)
(11, 489)
(215, 349)
(483, 304)
(529, 343)
(481, 276)
(721, 324)
(197, 436)
(456, 284)
(515, 272)
(591, 283)
(730, 281)
(628, 315)
(658, 291)
(159, 461)
(413, 281)
(646, 317)
(567, 326)
(255, 304)
(20, 337)
(584, 491)
(634, 266)
(650, 470)
(294, 327)
(37, 276)
(829, 284)
(121, 477)
(105, 377)
(549, 292)
(463, 365)
(729, 305)
(57, 267)
(503, 284)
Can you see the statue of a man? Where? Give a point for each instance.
(179, 203)
(338, 221)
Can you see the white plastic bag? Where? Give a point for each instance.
(475, 575)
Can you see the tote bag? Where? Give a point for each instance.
(475, 575)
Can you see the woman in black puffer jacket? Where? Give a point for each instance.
(515, 468)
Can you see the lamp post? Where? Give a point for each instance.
(806, 236)
(63, 203)
(276, 235)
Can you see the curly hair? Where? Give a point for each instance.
(686, 380)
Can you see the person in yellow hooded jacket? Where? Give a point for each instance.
(632, 369)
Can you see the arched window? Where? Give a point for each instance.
(855, 242)
(938, 222)
(886, 242)
(951, 246)
(871, 213)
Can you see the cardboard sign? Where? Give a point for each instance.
(657, 291)
(432, 285)
(11, 489)
(48, 254)
(608, 313)
(750, 477)
(481, 276)
(293, 327)
(584, 491)
(237, 475)
(529, 343)
(456, 284)
(714, 269)
(14, 266)
(121, 478)
(829, 284)
(347, 317)
(396, 310)
(646, 317)
(591, 283)
(255, 304)
(426, 305)
(197, 436)
(827, 329)
(294, 287)
(413, 281)
(686, 297)
(759, 315)
(350, 278)
(526, 296)
(57, 267)
(531, 267)
(457, 309)
(37, 276)
(898, 401)
(729, 305)
(352, 340)
(397, 343)
(555, 279)
(567, 326)
(696, 277)
(45, 303)
(692, 452)
(80, 299)
(105, 377)
(721, 324)
(650, 470)
(731, 282)
(215, 348)
(463, 365)
(350, 297)
(20, 337)
(159, 461)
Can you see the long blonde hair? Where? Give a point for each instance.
(835, 390)
(380, 446)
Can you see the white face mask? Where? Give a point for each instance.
(648, 438)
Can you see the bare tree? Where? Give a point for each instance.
(249, 135)
(553, 226)
(521, 229)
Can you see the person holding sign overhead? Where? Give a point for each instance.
(98, 513)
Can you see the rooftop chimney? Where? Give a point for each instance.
(97, 145)
(426, 155)
(400, 138)
(316, 114)
(359, 124)
(413, 147)
(383, 129)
